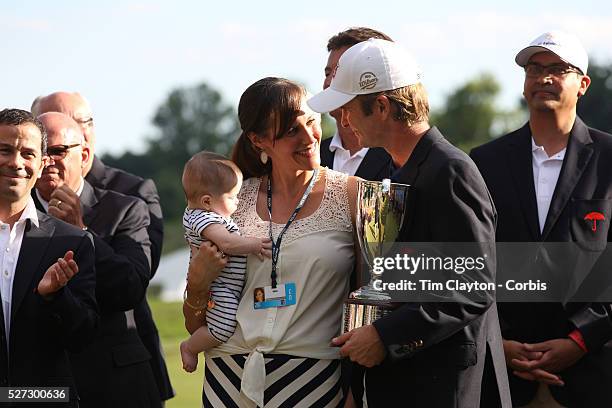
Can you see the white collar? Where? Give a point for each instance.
(336, 143)
(29, 213)
(539, 150)
(79, 190)
(45, 203)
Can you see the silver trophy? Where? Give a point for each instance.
(380, 215)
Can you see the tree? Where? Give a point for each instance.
(189, 120)
(468, 116)
(328, 126)
(595, 107)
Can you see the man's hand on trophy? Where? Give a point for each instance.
(362, 345)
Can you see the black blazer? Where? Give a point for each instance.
(114, 370)
(42, 332)
(110, 178)
(437, 350)
(376, 164)
(584, 185)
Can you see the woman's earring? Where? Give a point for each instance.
(263, 156)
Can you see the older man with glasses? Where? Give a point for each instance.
(114, 371)
(64, 171)
(109, 178)
(547, 179)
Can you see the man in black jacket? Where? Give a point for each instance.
(114, 370)
(343, 152)
(110, 178)
(545, 179)
(48, 277)
(428, 354)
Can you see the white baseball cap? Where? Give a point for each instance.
(371, 66)
(566, 46)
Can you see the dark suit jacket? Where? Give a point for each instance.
(437, 350)
(43, 331)
(376, 164)
(110, 178)
(584, 185)
(114, 370)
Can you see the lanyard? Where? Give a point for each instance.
(276, 245)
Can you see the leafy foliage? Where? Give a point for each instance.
(188, 121)
(468, 115)
(595, 107)
(196, 118)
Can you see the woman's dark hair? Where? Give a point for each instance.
(270, 103)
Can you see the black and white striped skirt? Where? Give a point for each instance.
(290, 382)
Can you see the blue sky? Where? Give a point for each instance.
(125, 57)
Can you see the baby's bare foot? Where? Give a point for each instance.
(190, 360)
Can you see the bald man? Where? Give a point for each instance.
(75, 106)
(70, 155)
(114, 370)
(109, 178)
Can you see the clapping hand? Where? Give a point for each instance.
(58, 275)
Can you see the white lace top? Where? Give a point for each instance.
(317, 255)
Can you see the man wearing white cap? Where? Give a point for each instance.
(427, 354)
(343, 152)
(545, 179)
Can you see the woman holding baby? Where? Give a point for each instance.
(280, 351)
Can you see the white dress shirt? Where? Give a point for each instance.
(10, 245)
(546, 172)
(343, 161)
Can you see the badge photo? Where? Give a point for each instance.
(267, 296)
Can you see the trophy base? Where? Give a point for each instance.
(361, 312)
(367, 294)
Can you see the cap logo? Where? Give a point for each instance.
(548, 39)
(367, 80)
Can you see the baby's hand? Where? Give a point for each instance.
(264, 249)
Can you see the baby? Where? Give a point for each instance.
(211, 183)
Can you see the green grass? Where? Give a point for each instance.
(187, 386)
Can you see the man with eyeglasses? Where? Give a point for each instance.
(114, 370)
(547, 179)
(109, 178)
